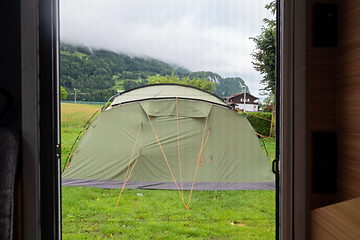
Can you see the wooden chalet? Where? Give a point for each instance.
(236, 101)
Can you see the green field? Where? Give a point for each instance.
(90, 213)
(118, 85)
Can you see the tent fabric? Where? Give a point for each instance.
(170, 185)
(189, 108)
(162, 91)
(231, 154)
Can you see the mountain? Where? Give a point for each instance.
(98, 74)
(224, 86)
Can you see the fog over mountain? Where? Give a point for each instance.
(199, 35)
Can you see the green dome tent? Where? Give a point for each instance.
(169, 136)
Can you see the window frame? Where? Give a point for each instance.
(41, 189)
(41, 113)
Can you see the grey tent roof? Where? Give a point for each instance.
(162, 91)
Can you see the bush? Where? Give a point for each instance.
(258, 122)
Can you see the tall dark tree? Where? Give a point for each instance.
(264, 53)
(264, 57)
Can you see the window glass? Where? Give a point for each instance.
(121, 156)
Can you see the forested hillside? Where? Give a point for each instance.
(224, 86)
(98, 74)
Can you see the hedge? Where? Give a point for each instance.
(258, 122)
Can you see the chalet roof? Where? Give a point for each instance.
(237, 94)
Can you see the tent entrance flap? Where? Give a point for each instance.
(186, 108)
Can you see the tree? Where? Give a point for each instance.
(264, 53)
(195, 82)
(264, 57)
(63, 93)
(129, 84)
(269, 100)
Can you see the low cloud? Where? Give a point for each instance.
(199, 35)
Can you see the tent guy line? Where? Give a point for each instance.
(167, 162)
(126, 175)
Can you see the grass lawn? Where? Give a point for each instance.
(90, 213)
(270, 147)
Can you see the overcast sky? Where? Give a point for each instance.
(199, 35)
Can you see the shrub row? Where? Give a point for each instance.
(258, 122)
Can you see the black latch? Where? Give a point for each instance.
(275, 166)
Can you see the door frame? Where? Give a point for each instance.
(39, 27)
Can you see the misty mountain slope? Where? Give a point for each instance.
(97, 74)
